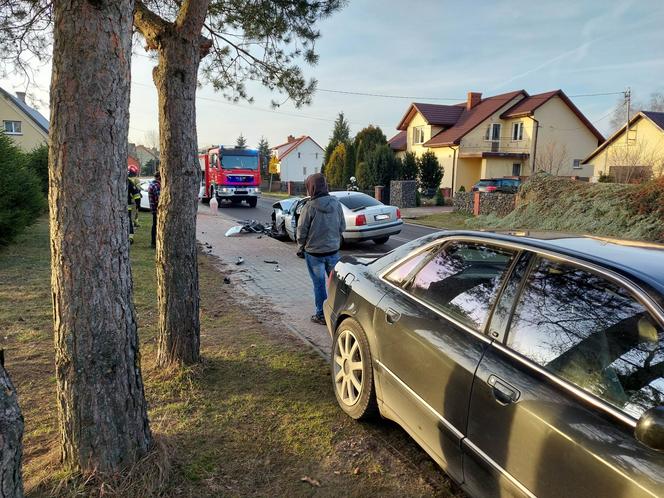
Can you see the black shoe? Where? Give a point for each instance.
(318, 319)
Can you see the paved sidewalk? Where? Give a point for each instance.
(289, 291)
(416, 212)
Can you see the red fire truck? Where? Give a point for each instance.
(231, 174)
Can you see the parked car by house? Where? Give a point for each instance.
(506, 185)
(524, 365)
(366, 218)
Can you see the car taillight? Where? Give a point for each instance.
(491, 189)
(398, 214)
(360, 220)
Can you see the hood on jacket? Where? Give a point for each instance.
(325, 204)
(316, 185)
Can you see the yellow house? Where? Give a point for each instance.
(512, 134)
(25, 125)
(634, 152)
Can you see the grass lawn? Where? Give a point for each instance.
(276, 195)
(255, 418)
(452, 220)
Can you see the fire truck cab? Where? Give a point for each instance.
(231, 174)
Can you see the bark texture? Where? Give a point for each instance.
(180, 49)
(101, 404)
(11, 435)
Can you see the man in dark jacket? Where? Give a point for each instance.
(319, 232)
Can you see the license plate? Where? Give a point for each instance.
(380, 217)
(240, 191)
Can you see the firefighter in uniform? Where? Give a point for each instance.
(133, 193)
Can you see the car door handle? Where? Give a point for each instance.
(503, 392)
(392, 315)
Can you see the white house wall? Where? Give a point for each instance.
(304, 160)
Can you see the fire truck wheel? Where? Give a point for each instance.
(252, 202)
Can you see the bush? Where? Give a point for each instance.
(462, 188)
(431, 174)
(37, 161)
(409, 168)
(381, 166)
(361, 175)
(440, 200)
(334, 169)
(418, 198)
(21, 196)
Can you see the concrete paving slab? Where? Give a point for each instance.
(284, 286)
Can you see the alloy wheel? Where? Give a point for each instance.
(348, 367)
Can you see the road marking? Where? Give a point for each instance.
(401, 239)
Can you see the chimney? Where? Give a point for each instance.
(291, 138)
(21, 96)
(474, 98)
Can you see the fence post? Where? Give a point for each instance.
(290, 188)
(378, 192)
(476, 203)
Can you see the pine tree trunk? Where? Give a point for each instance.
(101, 404)
(11, 434)
(177, 268)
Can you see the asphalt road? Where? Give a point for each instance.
(263, 212)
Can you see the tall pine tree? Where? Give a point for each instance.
(340, 134)
(241, 142)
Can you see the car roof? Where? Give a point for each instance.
(643, 261)
(347, 193)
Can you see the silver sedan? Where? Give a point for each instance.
(366, 217)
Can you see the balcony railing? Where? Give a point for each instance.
(498, 146)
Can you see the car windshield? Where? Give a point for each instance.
(239, 162)
(358, 201)
(486, 183)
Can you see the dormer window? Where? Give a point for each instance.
(418, 135)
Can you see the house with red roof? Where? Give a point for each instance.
(512, 134)
(298, 158)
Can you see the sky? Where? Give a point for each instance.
(429, 50)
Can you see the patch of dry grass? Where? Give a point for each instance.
(253, 419)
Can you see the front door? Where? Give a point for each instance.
(554, 404)
(429, 333)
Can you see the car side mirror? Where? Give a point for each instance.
(650, 428)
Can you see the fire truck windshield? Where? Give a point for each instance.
(239, 162)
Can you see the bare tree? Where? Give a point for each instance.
(634, 162)
(619, 118)
(552, 158)
(152, 139)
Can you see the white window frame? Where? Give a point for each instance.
(488, 136)
(517, 131)
(14, 130)
(418, 134)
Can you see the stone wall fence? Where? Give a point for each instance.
(498, 203)
(403, 193)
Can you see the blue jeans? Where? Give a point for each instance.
(319, 268)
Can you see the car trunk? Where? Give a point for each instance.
(378, 215)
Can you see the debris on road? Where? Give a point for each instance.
(248, 226)
(227, 280)
(276, 268)
(270, 262)
(240, 260)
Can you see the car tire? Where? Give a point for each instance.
(351, 366)
(381, 240)
(252, 202)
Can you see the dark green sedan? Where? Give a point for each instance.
(525, 365)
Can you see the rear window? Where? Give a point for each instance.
(358, 201)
